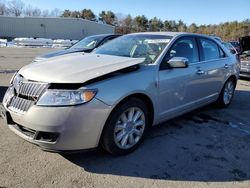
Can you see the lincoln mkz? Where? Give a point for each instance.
(112, 96)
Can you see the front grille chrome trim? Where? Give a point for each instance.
(32, 89)
(20, 105)
(26, 94)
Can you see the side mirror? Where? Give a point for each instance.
(178, 62)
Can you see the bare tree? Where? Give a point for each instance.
(125, 25)
(30, 11)
(56, 12)
(15, 7)
(45, 13)
(36, 12)
(3, 8)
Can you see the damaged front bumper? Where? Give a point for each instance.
(60, 128)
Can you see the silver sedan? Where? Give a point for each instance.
(112, 97)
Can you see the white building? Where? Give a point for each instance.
(52, 28)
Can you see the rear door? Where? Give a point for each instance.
(213, 68)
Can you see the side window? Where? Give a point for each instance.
(210, 49)
(184, 47)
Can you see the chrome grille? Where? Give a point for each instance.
(25, 94)
(31, 89)
(20, 105)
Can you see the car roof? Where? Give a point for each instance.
(171, 34)
(158, 33)
(176, 34)
(104, 35)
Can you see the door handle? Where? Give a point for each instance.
(226, 66)
(200, 72)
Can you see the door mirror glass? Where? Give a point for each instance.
(178, 62)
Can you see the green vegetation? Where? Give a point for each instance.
(227, 31)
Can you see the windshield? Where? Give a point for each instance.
(87, 43)
(136, 46)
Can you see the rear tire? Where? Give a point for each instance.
(126, 127)
(227, 93)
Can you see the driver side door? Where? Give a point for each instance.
(179, 87)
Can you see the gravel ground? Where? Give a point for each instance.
(206, 148)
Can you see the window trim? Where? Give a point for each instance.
(103, 41)
(177, 40)
(199, 49)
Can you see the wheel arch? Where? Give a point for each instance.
(229, 77)
(144, 98)
(234, 79)
(141, 96)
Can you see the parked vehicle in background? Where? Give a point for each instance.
(112, 97)
(245, 57)
(3, 42)
(216, 38)
(61, 43)
(236, 45)
(230, 47)
(88, 44)
(34, 42)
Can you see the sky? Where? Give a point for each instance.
(190, 11)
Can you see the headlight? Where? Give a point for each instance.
(66, 97)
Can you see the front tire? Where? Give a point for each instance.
(227, 93)
(125, 127)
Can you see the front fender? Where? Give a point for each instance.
(143, 81)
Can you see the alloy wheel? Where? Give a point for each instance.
(129, 128)
(228, 92)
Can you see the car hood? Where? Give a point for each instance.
(59, 52)
(76, 68)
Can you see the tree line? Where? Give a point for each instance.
(227, 30)
(18, 8)
(128, 24)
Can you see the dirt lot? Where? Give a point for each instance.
(206, 148)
